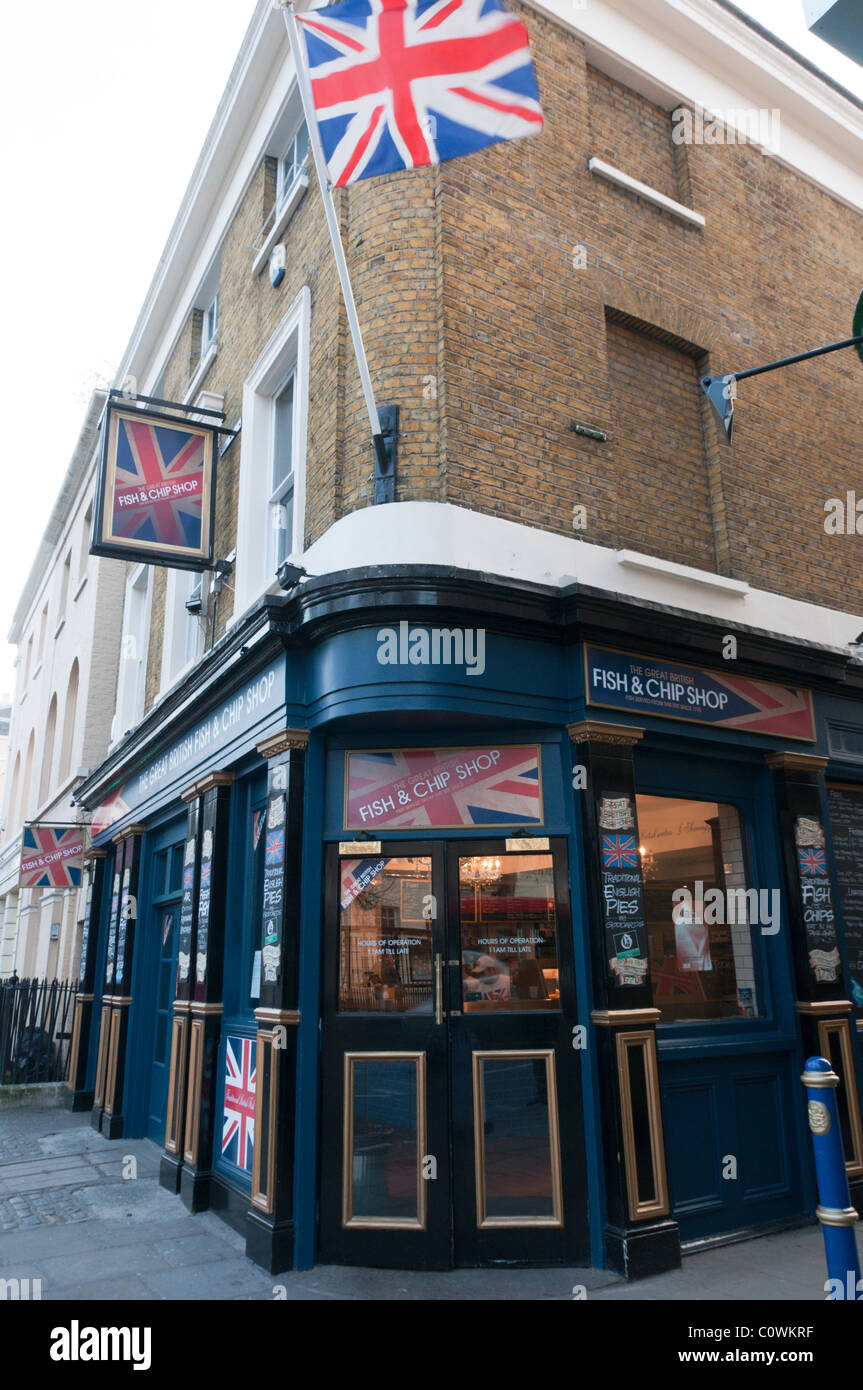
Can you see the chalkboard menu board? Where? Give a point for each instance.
(846, 826)
(274, 879)
(622, 890)
(112, 932)
(85, 930)
(187, 912)
(819, 916)
(204, 882)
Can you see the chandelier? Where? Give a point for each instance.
(480, 868)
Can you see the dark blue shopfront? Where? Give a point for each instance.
(395, 913)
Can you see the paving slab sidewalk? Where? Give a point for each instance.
(71, 1216)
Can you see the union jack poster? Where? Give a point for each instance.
(444, 787)
(51, 856)
(154, 497)
(357, 874)
(619, 852)
(812, 862)
(398, 84)
(238, 1125)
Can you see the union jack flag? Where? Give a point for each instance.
(813, 862)
(51, 857)
(398, 84)
(205, 874)
(158, 484)
(275, 850)
(619, 852)
(188, 878)
(238, 1127)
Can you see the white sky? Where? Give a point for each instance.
(104, 106)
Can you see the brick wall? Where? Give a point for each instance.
(506, 295)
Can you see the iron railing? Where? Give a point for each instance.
(35, 1029)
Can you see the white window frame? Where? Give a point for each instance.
(286, 352)
(210, 326)
(183, 632)
(284, 188)
(131, 687)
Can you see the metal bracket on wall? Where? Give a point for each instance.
(386, 454)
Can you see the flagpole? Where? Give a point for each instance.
(304, 84)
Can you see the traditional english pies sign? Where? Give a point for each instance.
(673, 690)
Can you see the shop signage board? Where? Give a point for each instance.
(846, 827)
(155, 489)
(674, 690)
(445, 788)
(622, 890)
(238, 715)
(819, 917)
(52, 856)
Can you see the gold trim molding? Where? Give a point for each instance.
(825, 1008)
(595, 731)
(787, 761)
(205, 1009)
(837, 1216)
(616, 1018)
(658, 1205)
(270, 1016)
(91, 852)
(128, 833)
(282, 742)
(840, 1028)
(389, 1223)
(483, 1220)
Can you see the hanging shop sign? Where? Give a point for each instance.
(443, 787)
(52, 856)
(671, 690)
(238, 1116)
(238, 716)
(155, 488)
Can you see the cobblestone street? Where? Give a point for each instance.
(71, 1219)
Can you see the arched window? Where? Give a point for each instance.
(12, 798)
(48, 751)
(69, 723)
(26, 789)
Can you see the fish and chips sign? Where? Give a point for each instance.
(51, 856)
(155, 489)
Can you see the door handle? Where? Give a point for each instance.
(438, 988)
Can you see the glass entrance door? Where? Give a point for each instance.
(450, 1085)
(167, 872)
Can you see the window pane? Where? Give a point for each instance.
(508, 932)
(700, 915)
(384, 1179)
(514, 1137)
(302, 146)
(385, 949)
(283, 462)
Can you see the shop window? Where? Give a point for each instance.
(700, 911)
